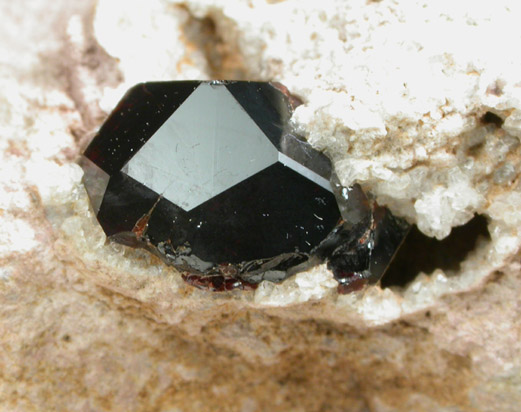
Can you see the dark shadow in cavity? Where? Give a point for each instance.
(420, 253)
(492, 118)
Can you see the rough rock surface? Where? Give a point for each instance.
(420, 102)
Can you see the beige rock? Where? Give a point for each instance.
(396, 92)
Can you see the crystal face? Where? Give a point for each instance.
(210, 177)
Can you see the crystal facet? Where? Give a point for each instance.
(210, 177)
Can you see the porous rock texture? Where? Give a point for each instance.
(420, 102)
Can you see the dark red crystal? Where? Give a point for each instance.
(210, 177)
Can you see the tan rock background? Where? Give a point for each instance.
(405, 96)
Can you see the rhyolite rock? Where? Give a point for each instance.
(86, 325)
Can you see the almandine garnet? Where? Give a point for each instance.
(210, 177)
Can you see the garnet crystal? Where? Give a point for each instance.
(210, 177)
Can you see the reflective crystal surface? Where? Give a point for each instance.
(210, 177)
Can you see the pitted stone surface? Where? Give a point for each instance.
(86, 325)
